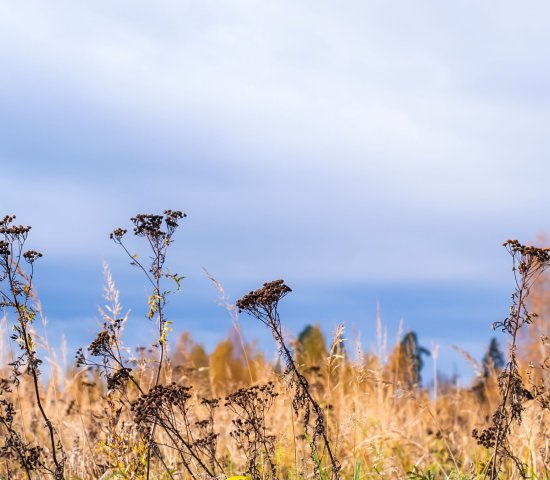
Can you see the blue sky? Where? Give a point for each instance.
(364, 151)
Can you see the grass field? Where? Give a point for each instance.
(325, 410)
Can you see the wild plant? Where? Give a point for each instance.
(528, 263)
(158, 231)
(263, 305)
(14, 448)
(205, 427)
(170, 407)
(251, 406)
(16, 296)
(107, 356)
(106, 346)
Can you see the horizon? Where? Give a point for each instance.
(367, 153)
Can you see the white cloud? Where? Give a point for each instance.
(367, 138)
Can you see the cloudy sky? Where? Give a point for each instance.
(366, 152)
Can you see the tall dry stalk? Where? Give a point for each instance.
(17, 298)
(158, 231)
(263, 305)
(528, 263)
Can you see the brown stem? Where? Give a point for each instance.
(305, 388)
(32, 369)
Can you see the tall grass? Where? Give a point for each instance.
(186, 414)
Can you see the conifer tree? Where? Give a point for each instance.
(493, 360)
(406, 361)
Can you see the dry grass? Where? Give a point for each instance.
(186, 414)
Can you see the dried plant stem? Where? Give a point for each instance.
(305, 388)
(20, 288)
(21, 313)
(503, 421)
(262, 304)
(528, 263)
(158, 231)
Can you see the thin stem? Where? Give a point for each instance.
(32, 368)
(273, 316)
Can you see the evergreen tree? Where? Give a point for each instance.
(413, 351)
(406, 361)
(493, 359)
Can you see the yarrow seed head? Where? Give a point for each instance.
(15, 230)
(147, 225)
(31, 256)
(528, 260)
(117, 234)
(7, 220)
(172, 218)
(150, 406)
(266, 297)
(101, 345)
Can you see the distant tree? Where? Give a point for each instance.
(493, 360)
(486, 386)
(414, 352)
(311, 348)
(406, 360)
(230, 368)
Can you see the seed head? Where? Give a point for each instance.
(31, 256)
(118, 234)
(265, 298)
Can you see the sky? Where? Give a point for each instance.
(368, 152)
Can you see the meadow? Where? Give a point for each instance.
(324, 410)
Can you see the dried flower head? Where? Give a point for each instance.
(7, 220)
(7, 228)
(119, 378)
(528, 259)
(31, 256)
(101, 345)
(147, 225)
(172, 217)
(117, 234)
(264, 301)
(155, 404)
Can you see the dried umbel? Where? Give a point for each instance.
(158, 230)
(12, 231)
(151, 225)
(160, 401)
(107, 346)
(251, 406)
(31, 256)
(263, 305)
(16, 287)
(528, 263)
(102, 344)
(117, 234)
(13, 447)
(168, 406)
(528, 257)
(4, 248)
